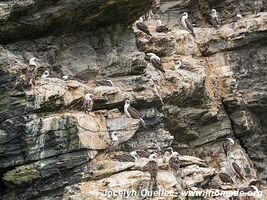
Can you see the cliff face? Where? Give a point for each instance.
(30, 19)
(199, 10)
(50, 148)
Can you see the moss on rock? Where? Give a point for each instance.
(21, 175)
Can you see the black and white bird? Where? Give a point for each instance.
(134, 155)
(153, 167)
(239, 16)
(178, 64)
(247, 170)
(45, 74)
(234, 197)
(114, 143)
(253, 181)
(65, 77)
(214, 18)
(227, 145)
(214, 185)
(174, 162)
(32, 70)
(142, 27)
(236, 168)
(187, 25)
(108, 83)
(251, 188)
(143, 153)
(148, 15)
(170, 150)
(166, 157)
(258, 4)
(126, 157)
(225, 177)
(149, 55)
(132, 112)
(88, 103)
(155, 61)
(161, 28)
(70, 77)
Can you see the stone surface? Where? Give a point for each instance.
(35, 18)
(51, 149)
(199, 10)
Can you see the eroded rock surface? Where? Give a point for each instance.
(51, 149)
(34, 18)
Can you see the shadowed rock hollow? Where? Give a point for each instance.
(51, 149)
(28, 18)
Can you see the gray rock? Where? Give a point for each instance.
(33, 19)
(49, 147)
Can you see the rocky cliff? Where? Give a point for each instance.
(51, 149)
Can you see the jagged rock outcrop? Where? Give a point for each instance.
(228, 67)
(200, 10)
(30, 19)
(51, 149)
